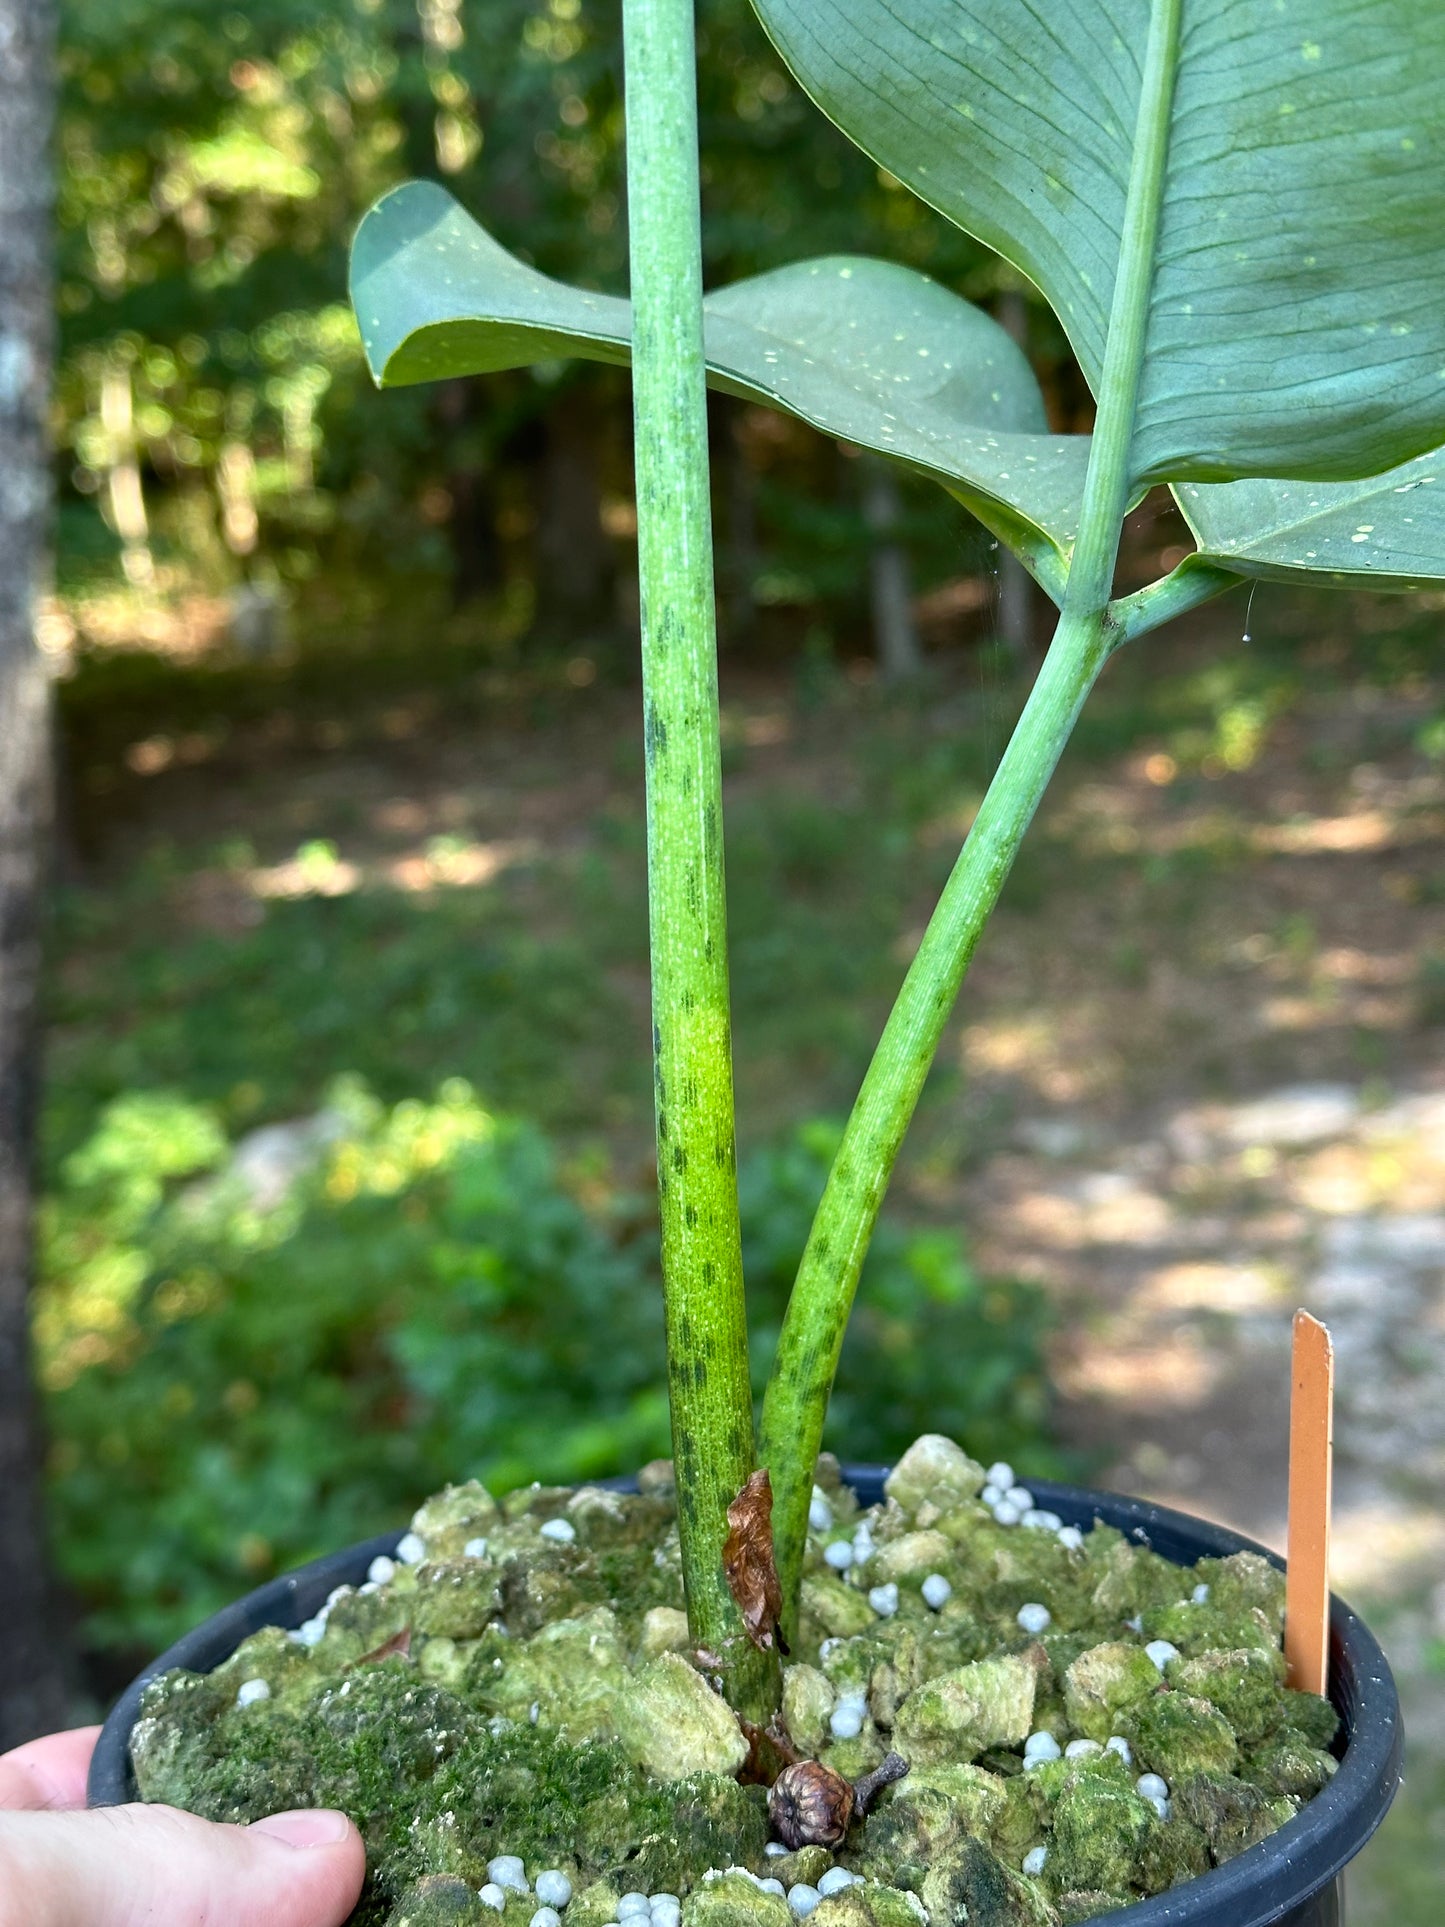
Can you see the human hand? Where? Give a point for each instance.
(152, 1866)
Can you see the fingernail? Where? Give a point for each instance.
(307, 1827)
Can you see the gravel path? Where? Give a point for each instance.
(1185, 1251)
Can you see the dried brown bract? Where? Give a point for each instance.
(398, 1646)
(748, 1562)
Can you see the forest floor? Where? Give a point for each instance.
(1197, 1076)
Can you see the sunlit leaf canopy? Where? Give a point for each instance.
(865, 350)
(1296, 321)
(212, 164)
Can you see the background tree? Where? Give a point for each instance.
(31, 1686)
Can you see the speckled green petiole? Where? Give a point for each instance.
(712, 1420)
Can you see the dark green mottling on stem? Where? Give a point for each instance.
(701, 1243)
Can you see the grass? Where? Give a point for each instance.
(178, 964)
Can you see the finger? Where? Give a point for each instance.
(49, 1772)
(124, 1866)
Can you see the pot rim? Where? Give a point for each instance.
(1256, 1889)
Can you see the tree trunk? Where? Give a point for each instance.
(574, 556)
(471, 523)
(32, 1694)
(895, 637)
(123, 482)
(744, 551)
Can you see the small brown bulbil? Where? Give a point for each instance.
(811, 1806)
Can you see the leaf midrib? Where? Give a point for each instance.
(1110, 474)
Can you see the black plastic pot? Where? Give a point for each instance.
(1292, 1879)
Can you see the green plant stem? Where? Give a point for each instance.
(822, 1298)
(796, 1400)
(1109, 478)
(708, 1380)
(1185, 588)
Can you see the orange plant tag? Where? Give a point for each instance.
(1311, 1461)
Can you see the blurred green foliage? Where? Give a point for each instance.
(245, 1368)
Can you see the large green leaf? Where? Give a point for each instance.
(1384, 533)
(864, 350)
(1296, 311)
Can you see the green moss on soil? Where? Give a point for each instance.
(544, 1703)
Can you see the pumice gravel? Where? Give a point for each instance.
(511, 1711)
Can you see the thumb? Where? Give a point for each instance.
(143, 1866)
